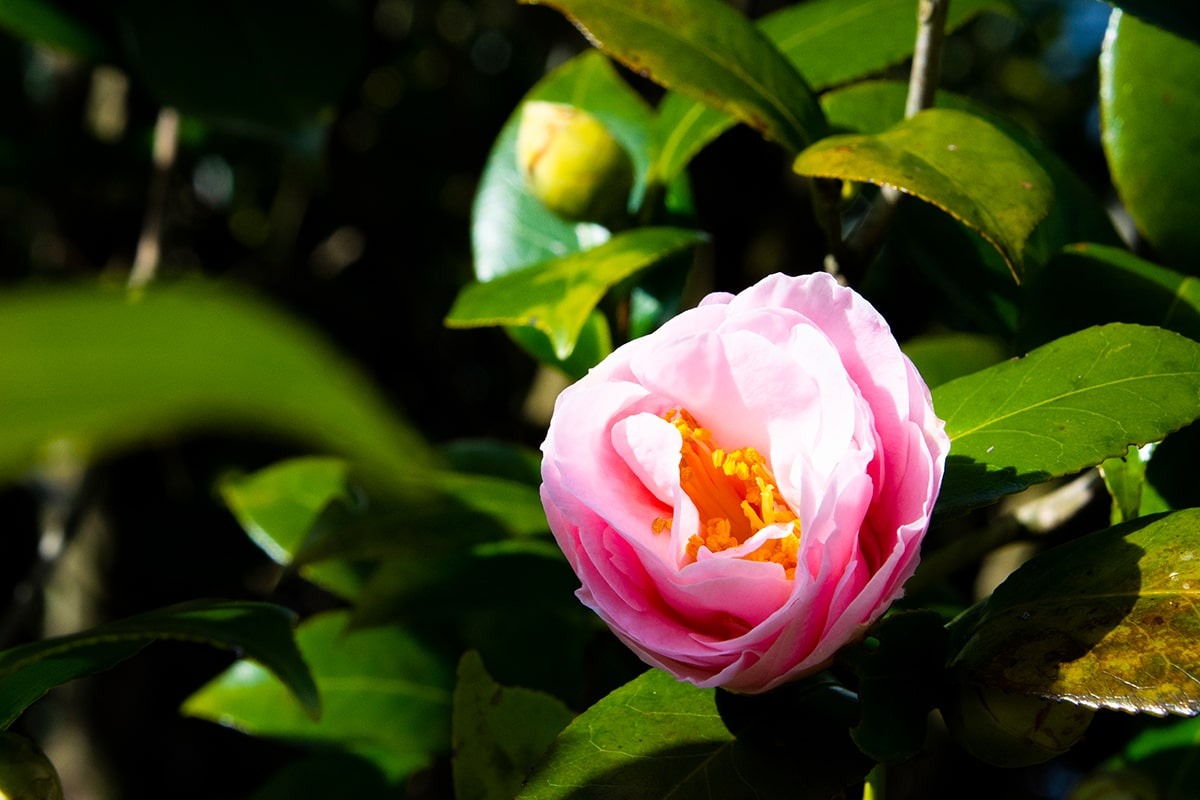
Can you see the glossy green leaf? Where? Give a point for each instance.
(593, 344)
(954, 160)
(557, 296)
(44, 23)
(942, 357)
(279, 505)
(270, 65)
(102, 370)
(1149, 108)
(1107, 284)
(499, 732)
(813, 37)
(1077, 215)
(1105, 621)
(1066, 406)
(708, 51)
(260, 631)
(1171, 477)
(1182, 19)
(384, 696)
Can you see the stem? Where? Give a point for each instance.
(875, 786)
(149, 248)
(922, 86)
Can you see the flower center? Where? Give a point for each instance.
(735, 495)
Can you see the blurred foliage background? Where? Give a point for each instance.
(327, 155)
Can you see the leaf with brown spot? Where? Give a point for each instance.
(1109, 620)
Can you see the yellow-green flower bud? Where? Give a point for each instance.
(25, 772)
(1013, 730)
(572, 163)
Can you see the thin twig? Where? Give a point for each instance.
(865, 239)
(149, 248)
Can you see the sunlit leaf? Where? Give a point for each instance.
(813, 37)
(1165, 754)
(1106, 621)
(104, 370)
(278, 506)
(45, 23)
(1149, 105)
(499, 732)
(1125, 478)
(954, 160)
(1067, 405)
(708, 51)
(384, 696)
(259, 630)
(557, 296)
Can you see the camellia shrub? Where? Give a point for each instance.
(898, 500)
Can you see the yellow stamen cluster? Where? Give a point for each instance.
(734, 493)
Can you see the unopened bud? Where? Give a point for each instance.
(571, 162)
(1013, 730)
(25, 772)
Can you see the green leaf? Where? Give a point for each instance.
(44, 23)
(708, 51)
(267, 66)
(1179, 18)
(813, 37)
(1107, 284)
(954, 160)
(1105, 621)
(1149, 107)
(103, 370)
(1066, 406)
(510, 228)
(942, 357)
(1125, 479)
(278, 507)
(259, 630)
(499, 732)
(385, 697)
(1076, 214)
(499, 459)
(557, 296)
(329, 774)
(1167, 752)
(899, 683)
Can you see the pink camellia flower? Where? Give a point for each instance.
(745, 490)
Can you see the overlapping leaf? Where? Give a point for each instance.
(706, 50)
(1064, 407)
(1106, 621)
(384, 696)
(956, 161)
(556, 297)
(261, 631)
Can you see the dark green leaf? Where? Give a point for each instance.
(813, 37)
(102, 370)
(1106, 621)
(499, 732)
(496, 458)
(1107, 284)
(1064, 407)
(899, 683)
(1180, 18)
(942, 357)
(1164, 754)
(270, 65)
(557, 296)
(329, 775)
(1125, 478)
(1171, 477)
(954, 160)
(278, 506)
(259, 630)
(43, 22)
(708, 51)
(384, 696)
(1150, 104)
(594, 343)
